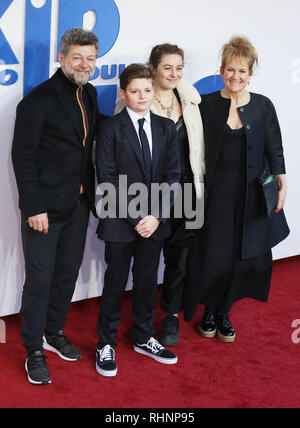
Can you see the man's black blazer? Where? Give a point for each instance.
(118, 152)
(49, 160)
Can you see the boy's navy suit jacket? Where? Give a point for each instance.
(118, 152)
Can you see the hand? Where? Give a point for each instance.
(147, 226)
(39, 223)
(282, 191)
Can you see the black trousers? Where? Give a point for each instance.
(172, 297)
(52, 264)
(146, 256)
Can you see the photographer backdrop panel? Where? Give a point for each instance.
(29, 33)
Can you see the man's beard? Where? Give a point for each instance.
(79, 81)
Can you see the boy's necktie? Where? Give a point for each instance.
(146, 151)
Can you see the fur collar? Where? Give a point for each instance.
(188, 93)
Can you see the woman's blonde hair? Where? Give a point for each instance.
(240, 47)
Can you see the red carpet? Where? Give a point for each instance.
(260, 370)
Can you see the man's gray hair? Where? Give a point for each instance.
(78, 36)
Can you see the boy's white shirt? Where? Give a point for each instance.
(147, 124)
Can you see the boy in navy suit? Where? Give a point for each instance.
(140, 146)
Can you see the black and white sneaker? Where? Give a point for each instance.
(105, 361)
(155, 350)
(37, 369)
(61, 346)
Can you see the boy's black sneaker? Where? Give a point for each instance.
(105, 361)
(37, 369)
(170, 332)
(60, 345)
(155, 350)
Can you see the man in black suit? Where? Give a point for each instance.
(52, 159)
(142, 147)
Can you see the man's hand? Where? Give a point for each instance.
(39, 222)
(147, 226)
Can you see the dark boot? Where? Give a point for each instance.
(170, 331)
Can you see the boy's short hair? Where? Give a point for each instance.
(134, 71)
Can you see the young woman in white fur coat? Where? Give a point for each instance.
(179, 101)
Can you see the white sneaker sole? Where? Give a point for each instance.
(156, 357)
(47, 347)
(106, 373)
(34, 382)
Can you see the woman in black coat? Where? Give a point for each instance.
(231, 256)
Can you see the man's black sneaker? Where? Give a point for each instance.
(60, 345)
(105, 361)
(155, 350)
(170, 332)
(37, 369)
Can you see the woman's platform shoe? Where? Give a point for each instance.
(226, 332)
(207, 327)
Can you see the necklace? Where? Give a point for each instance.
(168, 109)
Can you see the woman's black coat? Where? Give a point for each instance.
(264, 148)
